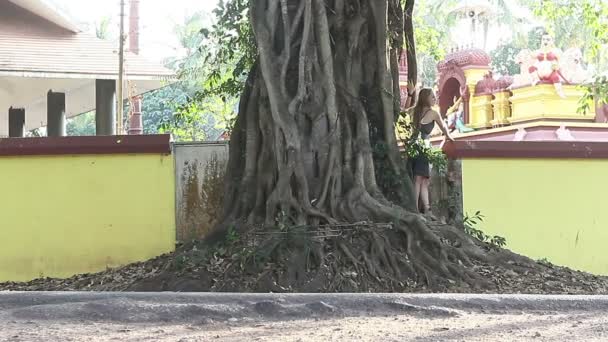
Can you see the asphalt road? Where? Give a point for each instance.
(48, 316)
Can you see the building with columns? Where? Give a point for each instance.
(76, 204)
(51, 71)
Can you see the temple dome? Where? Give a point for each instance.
(503, 83)
(465, 58)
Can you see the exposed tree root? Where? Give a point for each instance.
(311, 260)
(364, 257)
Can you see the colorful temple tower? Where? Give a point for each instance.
(516, 105)
(459, 74)
(534, 162)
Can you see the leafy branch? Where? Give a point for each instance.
(470, 227)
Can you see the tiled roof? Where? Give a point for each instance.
(32, 45)
(48, 10)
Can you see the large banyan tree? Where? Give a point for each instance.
(314, 145)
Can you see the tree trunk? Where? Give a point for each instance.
(314, 142)
(412, 62)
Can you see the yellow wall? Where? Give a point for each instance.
(545, 208)
(542, 102)
(64, 215)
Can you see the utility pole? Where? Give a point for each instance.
(121, 66)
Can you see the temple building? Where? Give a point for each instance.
(76, 204)
(532, 158)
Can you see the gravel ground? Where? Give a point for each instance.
(347, 317)
(467, 327)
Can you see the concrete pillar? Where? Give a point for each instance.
(16, 122)
(105, 107)
(55, 114)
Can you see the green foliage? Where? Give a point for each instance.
(534, 38)
(498, 241)
(173, 108)
(189, 68)
(229, 49)
(389, 181)
(102, 29)
(282, 222)
(503, 59)
(545, 262)
(190, 109)
(81, 125)
(180, 262)
(260, 247)
(219, 55)
(435, 156)
(193, 121)
(509, 18)
(247, 252)
(596, 90)
(576, 22)
(429, 40)
(223, 248)
(427, 70)
(470, 227)
(581, 22)
(186, 124)
(232, 236)
(159, 105)
(418, 146)
(432, 24)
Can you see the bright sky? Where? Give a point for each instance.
(158, 19)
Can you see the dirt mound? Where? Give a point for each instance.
(354, 258)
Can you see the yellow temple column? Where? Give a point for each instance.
(502, 108)
(473, 75)
(481, 111)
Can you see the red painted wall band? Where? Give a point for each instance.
(526, 149)
(123, 144)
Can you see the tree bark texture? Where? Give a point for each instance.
(314, 141)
